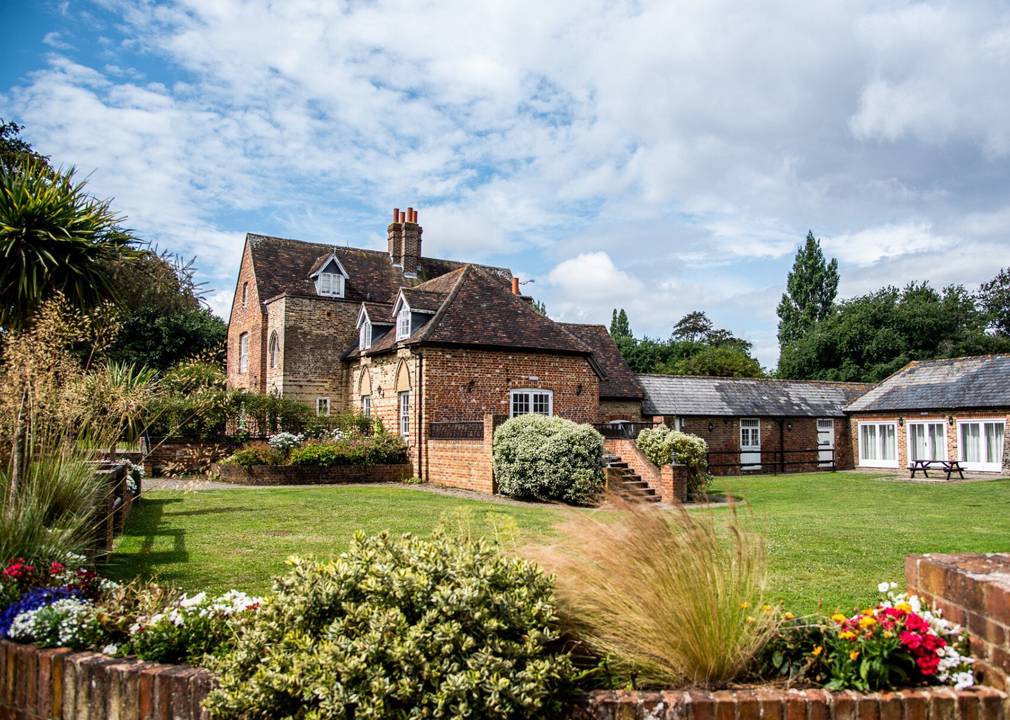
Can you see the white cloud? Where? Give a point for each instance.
(593, 277)
(872, 245)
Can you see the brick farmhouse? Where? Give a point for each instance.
(440, 351)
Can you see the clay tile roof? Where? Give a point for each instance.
(967, 382)
(282, 265)
(689, 395)
(424, 300)
(380, 313)
(620, 382)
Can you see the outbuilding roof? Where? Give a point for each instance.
(981, 381)
(690, 395)
(620, 383)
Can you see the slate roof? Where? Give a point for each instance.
(688, 395)
(620, 383)
(968, 382)
(283, 265)
(480, 311)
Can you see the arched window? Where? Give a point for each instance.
(275, 352)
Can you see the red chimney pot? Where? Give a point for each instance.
(396, 214)
(515, 286)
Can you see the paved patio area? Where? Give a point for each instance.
(936, 477)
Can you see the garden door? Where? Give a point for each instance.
(750, 444)
(825, 442)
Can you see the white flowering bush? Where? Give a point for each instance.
(285, 441)
(190, 628)
(70, 622)
(665, 446)
(399, 628)
(548, 459)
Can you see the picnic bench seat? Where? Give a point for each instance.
(947, 466)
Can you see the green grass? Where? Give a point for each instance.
(219, 539)
(831, 537)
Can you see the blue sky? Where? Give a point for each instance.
(658, 156)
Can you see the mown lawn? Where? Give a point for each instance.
(831, 537)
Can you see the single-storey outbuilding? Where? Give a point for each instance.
(757, 425)
(953, 409)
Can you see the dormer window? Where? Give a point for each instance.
(329, 278)
(331, 284)
(365, 336)
(403, 323)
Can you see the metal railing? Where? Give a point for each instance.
(778, 459)
(457, 430)
(622, 431)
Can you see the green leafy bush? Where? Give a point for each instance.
(664, 446)
(548, 459)
(328, 453)
(386, 449)
(398, 628)
(257, 453)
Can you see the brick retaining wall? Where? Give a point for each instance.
(974, 590)
(58, 684)
(184, 455)
(311, 475)
(669, 481)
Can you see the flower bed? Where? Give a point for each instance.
(308, 475)
(328, 449)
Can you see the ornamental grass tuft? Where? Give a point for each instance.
(671, 599)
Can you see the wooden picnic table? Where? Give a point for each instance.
(947, 466)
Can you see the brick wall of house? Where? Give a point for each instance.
(382, 370)
(314, 333)
(247, 316)
(724, 437)
(904, 418)
(463, 464)
(620, 410)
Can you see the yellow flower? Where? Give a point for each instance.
(868, 611)
(867, 622)
(903, 606)
(788, 616)
(766, 607)
(847, 635)
(782, 602)
(889, 634)
(745, 605)
(838, 617)
(750, 619)
(817, 651)
(854, 654)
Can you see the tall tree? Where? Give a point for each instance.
(694, 327)
(54, 238)
(810, 292)
(619, 326)
(14, 151)
(994, 298)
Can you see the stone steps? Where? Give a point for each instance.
(632, 484)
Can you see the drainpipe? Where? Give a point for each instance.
(419, 374)
(782, 445)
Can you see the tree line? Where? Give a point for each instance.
(860, 339)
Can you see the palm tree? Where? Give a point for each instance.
(54, 238)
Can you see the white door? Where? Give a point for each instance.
(750, 444)
(980, 444)
(826, 442)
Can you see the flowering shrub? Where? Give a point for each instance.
(33, 600)
(896, 642)
(285, 441)
(548, 458)
(70, 622)
(257, 453)
(664, 446)
(134, 474)
(327, 453)
(189, 629)
(397, 628)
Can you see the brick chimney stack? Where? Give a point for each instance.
(405, 241)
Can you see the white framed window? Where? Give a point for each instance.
(540, 402)
(366, 405)
(245, 294)
(275, 351)
(405, 414)
(243, 352)
(980, 444)
(926, 440)
(365, 336)
(322, 406)
(331, 284)
(403, 324)
(878, 444)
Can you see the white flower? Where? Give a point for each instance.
(884, 587)
(110, 650)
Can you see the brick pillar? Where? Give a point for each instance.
(673, 483)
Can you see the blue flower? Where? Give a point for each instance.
(33, 600)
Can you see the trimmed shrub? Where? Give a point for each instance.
(548, 459)
(328, 453)
(387, 449)
(664, 446)
(257, 453)
(397, 628)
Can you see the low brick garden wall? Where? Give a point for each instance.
(63, 685)
(310, 475)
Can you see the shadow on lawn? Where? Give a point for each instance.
(142, 550)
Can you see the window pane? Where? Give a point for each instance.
(994, 442)
(971, 448)
(868, 446)
(542, 404)
(888, 443)
(937, 446)
(520, 404)
(917, 442)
